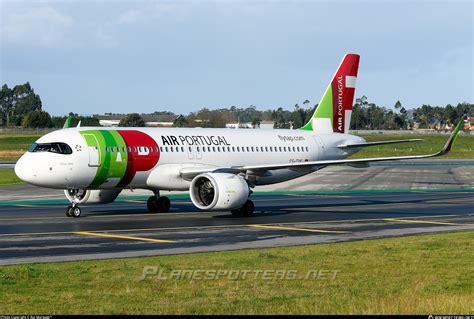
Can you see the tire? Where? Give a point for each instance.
(68, 211)
(152, 204)
(164, 204)
(75, 212)
(248, 208)
(236, 212)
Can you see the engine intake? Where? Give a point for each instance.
(219, 191)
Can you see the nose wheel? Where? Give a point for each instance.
(73, 211)
(160, 204)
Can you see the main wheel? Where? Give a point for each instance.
(164, 204)
(248, 208)
(75, 212)
(152, 204)
(68, 211)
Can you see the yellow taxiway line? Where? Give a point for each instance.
(203, 226)
(299, 229)
(424, 222)
(124, 237)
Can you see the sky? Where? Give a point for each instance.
(93, 57)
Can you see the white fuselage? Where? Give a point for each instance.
(152, 158)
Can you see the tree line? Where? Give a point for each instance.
(21, 106)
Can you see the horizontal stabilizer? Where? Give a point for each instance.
(379, 143)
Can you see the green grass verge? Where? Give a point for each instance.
(17, 142)
(464, 147)
(409, 275)
(8, 177)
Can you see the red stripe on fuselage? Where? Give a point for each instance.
(138, 161)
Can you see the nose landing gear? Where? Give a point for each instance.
(73, 211)
(75, 196)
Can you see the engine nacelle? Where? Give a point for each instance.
(81, 196)
(219, 191)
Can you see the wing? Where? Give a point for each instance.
(189, 173)
(379, 143)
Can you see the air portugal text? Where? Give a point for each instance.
(194, 140)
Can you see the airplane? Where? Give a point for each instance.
(219, 167)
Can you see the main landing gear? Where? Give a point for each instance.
(73, 210)
(158, 204)
(244, 211)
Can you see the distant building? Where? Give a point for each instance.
(263, 124)
(152, 120)
(238, 125)
(267, 124)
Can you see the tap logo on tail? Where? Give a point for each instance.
(333, 113)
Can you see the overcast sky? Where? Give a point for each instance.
(144, 56)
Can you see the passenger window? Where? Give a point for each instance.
(281, 149)
(166, 148)
(238, 148)
(161, 149)
(171, 148)
(214, 149)
(156, 149)
(182, 148)
(294, 149)
(233, 148)
(307, 149)
(218, 149)
(106, 149)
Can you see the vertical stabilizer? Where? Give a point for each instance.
(333, 113)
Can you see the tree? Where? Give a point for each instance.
(36, 119)
(298, 116)
(255, 122)
(281, 118)
(180, 121)
(17, 102)
(397, 105)
(132, 120)
(58, 121)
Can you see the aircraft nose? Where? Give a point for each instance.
(24, 169)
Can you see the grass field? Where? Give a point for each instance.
(409, 275)
(13, 146)
(464, 147)
(8, 177)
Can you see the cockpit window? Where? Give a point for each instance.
(59, 148)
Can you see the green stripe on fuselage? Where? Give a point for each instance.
(113, 164)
